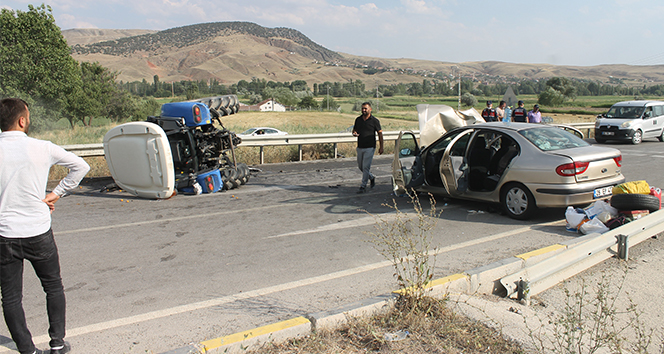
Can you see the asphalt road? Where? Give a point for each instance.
(149, 276)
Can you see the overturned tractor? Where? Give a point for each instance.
(181, 149)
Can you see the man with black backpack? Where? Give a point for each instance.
(489, 113)
(520, 114)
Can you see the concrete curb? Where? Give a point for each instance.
(480, 280)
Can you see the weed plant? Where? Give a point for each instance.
(405, 240)
(591, 321)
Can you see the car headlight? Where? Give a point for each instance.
(627, 124)
(597, 124)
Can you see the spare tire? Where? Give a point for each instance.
(630, 201)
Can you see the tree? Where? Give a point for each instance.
(90, 98)
(308, 103)
(329, 103)
(34, 56)
(282, 95)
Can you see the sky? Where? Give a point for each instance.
(563, 32)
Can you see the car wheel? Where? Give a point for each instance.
(635, 202)
(600, 140)
(637, 137)
(517, 201)
(661, 136)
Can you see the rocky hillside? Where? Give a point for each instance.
(233, 51)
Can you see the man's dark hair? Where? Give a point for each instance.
(367, 103)
(501, 103)
(11, 110)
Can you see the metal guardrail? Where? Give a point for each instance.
(89, 150)
(548, 272)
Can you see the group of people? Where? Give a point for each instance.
(504, 113)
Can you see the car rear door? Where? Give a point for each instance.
(406, 149)
(454, 164)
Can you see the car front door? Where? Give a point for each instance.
(454, 165)
(406, 150)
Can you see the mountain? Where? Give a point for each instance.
(234, 51)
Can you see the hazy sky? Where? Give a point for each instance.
(561, 32)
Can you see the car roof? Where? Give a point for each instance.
(513, 126)
(643, 103)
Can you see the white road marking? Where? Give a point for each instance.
(98, 327)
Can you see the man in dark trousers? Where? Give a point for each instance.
(520, 114)
(489, 113)
(365, 129)
(25, 223)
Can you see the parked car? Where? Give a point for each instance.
(521, 166)
(262, 131)
(631, 121)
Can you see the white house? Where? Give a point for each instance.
(271, 106)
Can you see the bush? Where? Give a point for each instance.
(468, 100)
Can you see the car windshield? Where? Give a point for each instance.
(249, 131)
(625, 112)
(550, 138)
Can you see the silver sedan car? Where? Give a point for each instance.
(522, 166)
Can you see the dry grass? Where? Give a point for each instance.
(432, 327)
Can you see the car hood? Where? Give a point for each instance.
(435, 120)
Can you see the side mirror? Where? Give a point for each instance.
(405, 152)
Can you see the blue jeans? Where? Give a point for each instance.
(364, 159)
(42, 252)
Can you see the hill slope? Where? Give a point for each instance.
(233, 51)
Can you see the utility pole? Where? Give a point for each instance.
(459, 104)
(328, 97)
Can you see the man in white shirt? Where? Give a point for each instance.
(25, 222)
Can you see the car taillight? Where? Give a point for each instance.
(572, 169)
(197, 114)
(618, 160)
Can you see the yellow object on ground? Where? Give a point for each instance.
(634, 187)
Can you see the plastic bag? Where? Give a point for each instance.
(574, 218)
(594, 225)
(634, 187)
(600, 207)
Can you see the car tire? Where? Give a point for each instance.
(661, 136)
(630, 201)
(517, 201)
(637, 138)
(600, 140)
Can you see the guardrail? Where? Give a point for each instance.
(89, 150)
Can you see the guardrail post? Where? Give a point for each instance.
(524, 292)
(623, 246)
(299, 151)
(335, 150)
(261, 155)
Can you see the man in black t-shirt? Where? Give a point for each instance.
(365, 129)
(520, 114)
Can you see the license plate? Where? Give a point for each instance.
(603, 192)
(607, 133)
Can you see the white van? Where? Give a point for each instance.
(631, 120)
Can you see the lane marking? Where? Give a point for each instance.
(252, 333)
(157, 221)
(153, 315)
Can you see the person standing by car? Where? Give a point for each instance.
(25, 222)
(520, 114)
(489, 113)
(500, 111)
(365, 129)
(535, 116)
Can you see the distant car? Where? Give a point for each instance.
(262, 131)
(521, 166)
(631, 121)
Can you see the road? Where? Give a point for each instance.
(149, 276)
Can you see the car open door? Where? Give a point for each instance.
(406, 150)
(454, 165)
